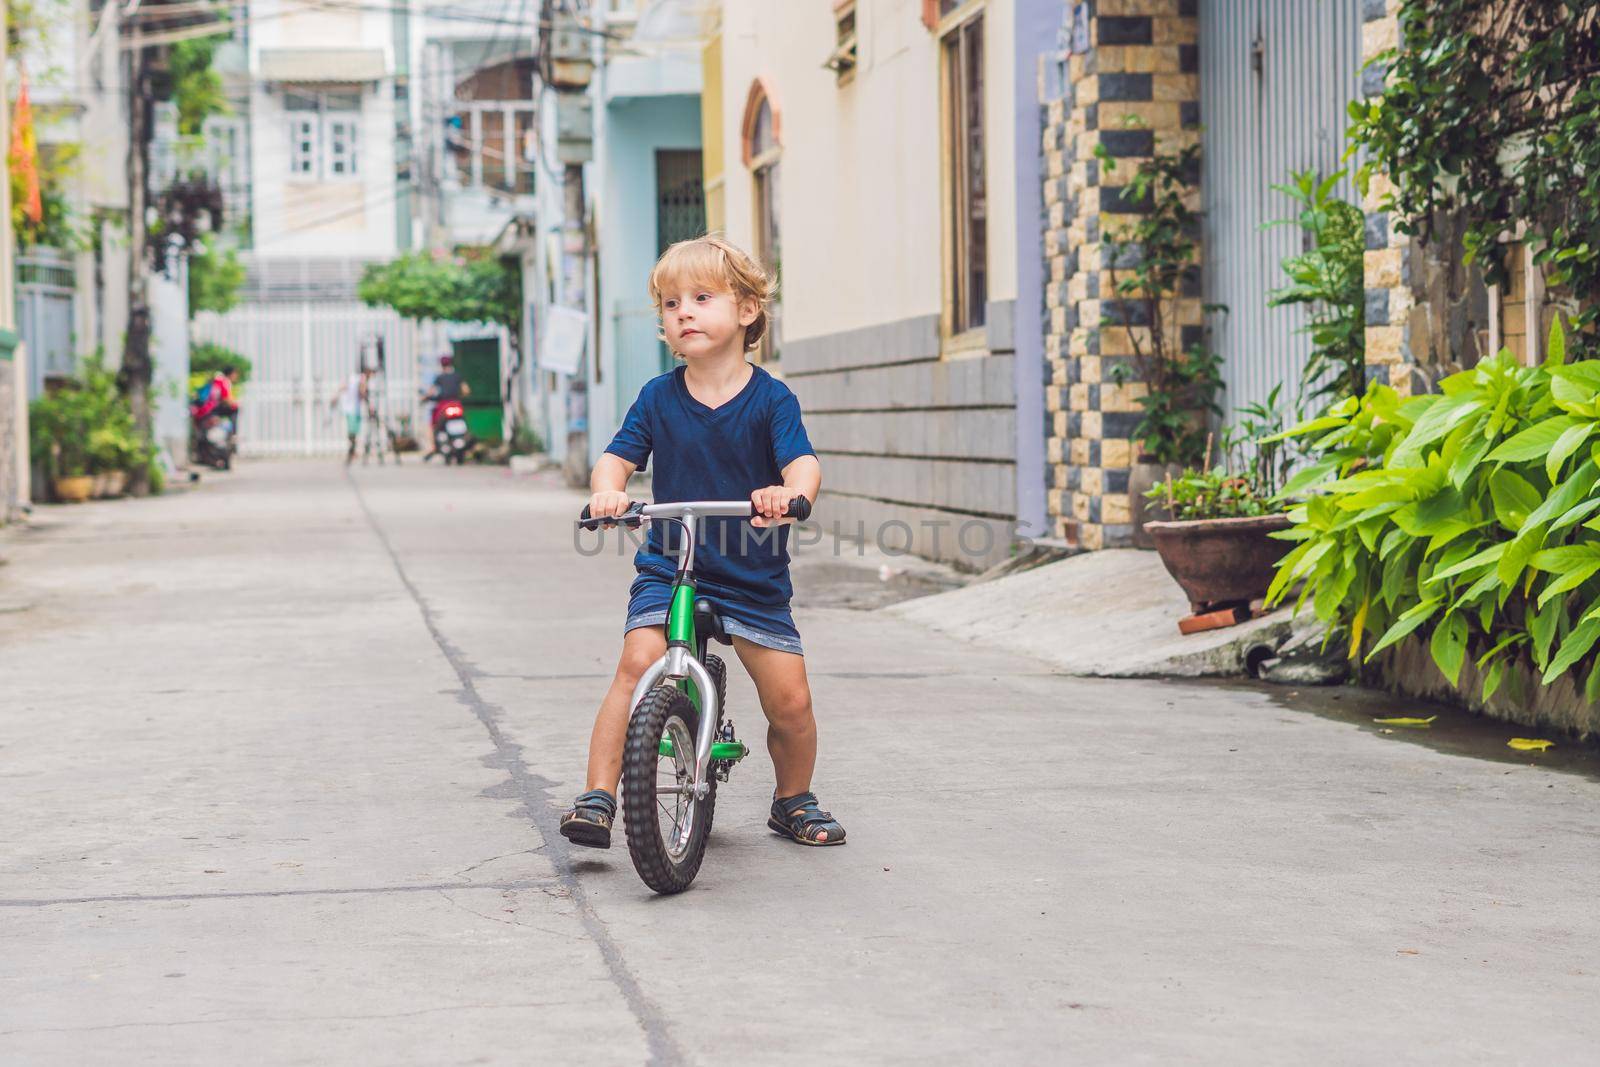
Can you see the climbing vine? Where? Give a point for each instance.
(1153, 262)
(1488, 114)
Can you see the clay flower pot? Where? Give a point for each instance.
(74, 489)
(1221, 562)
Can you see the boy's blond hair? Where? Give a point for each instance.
(712, 262)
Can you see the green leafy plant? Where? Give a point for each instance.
(1153, 262)
(215, 278)
(86, 426)
(1489, 114)
(525, 441)
(209, 358)
(197, 88)
(1255, 465)
(1327, 279)
(1470, 517)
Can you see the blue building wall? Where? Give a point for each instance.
(630, 355)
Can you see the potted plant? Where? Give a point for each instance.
(62, 424)
(1152, 263)
(1219, 546)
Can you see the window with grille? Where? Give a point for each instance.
(303, 146)
(323, 134)
(966, 207)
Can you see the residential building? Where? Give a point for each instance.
(881, 157)
(1263, 86)
(370, 132)
(619, 160)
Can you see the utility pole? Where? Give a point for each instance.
(136, 368)
(566, 65)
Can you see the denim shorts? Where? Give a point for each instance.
(767, 625)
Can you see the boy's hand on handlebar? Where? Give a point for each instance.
(608, 505)
(771, 504)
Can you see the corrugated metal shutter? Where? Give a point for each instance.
(1275, 78)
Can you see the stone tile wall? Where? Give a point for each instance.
(1137, 86)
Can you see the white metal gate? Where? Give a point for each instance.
(46, 315)
(1275, 77)
(303, 353)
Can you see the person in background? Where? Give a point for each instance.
(351, 402)
(218, 398)
(449, 385)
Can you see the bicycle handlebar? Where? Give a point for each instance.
(638, 511)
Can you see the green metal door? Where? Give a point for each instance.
(478, 363)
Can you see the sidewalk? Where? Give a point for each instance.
(1110, 614)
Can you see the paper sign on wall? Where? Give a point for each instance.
(565, 332)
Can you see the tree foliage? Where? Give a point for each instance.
(476, 287)
(1490, 111)
(196, 88)
(215, 278)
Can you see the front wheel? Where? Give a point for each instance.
(666, 824)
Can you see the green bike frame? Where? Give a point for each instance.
(683, 664)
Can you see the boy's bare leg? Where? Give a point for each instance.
(640, 648)
(785, 694)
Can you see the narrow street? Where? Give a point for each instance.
(283, 759)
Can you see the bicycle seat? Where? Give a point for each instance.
(708, 624)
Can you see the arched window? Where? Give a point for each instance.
(761, 153)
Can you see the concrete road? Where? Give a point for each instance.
(282, 760)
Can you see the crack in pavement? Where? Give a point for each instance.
(154, 898)
(534, 791)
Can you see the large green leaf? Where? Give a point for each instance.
(1576, 514)
(1312, 474)
(1482, 558)
(1534, 442)
(1555, 349)
(1567, 494)
(1562, 559)
(1542, 628)
(1449, 646)
(1566, 445)
(1474, 447)
(1515, 559)
(1406, 623)
(1568, 580)
(1514, 498)
(1577, 645)
(1575, 387)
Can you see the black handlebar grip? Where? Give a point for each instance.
(799, 509)
(631, 517)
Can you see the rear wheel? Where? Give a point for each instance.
(666, 824)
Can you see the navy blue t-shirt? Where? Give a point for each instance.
(723, 453)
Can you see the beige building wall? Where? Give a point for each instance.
(861, 213)
(916, 431)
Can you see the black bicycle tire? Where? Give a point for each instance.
(656, 867)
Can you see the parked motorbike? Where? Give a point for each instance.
(214, 441)
(451, 437)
